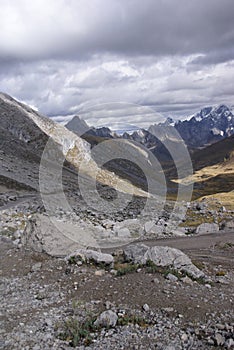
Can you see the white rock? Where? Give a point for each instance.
(146, 307)
(148, 226)
(36, 267)
(99, 273)
(187, 280)
(162, 256)
(123, 232)
(135, 252)
(107, 319)
(207, 228)
(229, 344)
(92, 255)
(219, 339)
(172, 277)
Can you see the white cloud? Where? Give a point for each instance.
(166, 85)
(63, 56)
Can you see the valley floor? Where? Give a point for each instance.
(41, 296)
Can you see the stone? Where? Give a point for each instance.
(163, 257)
(171, 277)
(184, 337)
(123, 232)
(155, 280)
(220, 326)
(187, 280)
(135, 253)
(227, 225)
(171, 257)
(148, 226)
(57, 238)
(210, 341)
(107, 319)
(108, 305)
(207, 228)
(146, 307)
(89, 255)
(99, 273)
(108, 224)
(176, 231)
(201, 206)
(168, 309)
(125, 228)
(229, 344)
(219, 339)
(36, 267)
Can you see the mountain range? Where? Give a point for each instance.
(209, 125)
(25, 136)
(209, 136)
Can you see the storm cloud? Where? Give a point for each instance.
(172, 56)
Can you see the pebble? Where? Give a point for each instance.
(219, 339)
(171, 277)
(36, 267)
(99, 273)
(146, 307)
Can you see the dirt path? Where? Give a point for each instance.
(197, 242)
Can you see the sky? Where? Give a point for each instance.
(126, 62)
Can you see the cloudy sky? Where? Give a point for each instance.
(119, 61)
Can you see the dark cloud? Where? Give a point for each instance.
(63, 55)
(78, 29)
(214, 57)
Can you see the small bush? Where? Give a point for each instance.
(132, 319)
(124, 269)
(72, 260)
(220, 273)
(75, 332)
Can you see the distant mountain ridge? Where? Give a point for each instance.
(209, 125)
(204, 128)
(80, 127)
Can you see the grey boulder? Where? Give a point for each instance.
(107, 319)
(135, 253)
(207, 228)
(89, 255)
(163, 257)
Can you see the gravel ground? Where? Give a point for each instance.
(40, 295)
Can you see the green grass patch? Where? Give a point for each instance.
(125, 268)
(132, 319)
(76, 332)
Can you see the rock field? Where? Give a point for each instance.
(134, 293)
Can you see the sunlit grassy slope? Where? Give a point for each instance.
(213, 172)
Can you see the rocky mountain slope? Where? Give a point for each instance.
(33, 131)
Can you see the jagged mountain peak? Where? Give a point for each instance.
(210, 125)
(77, 125)
(220, 111)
